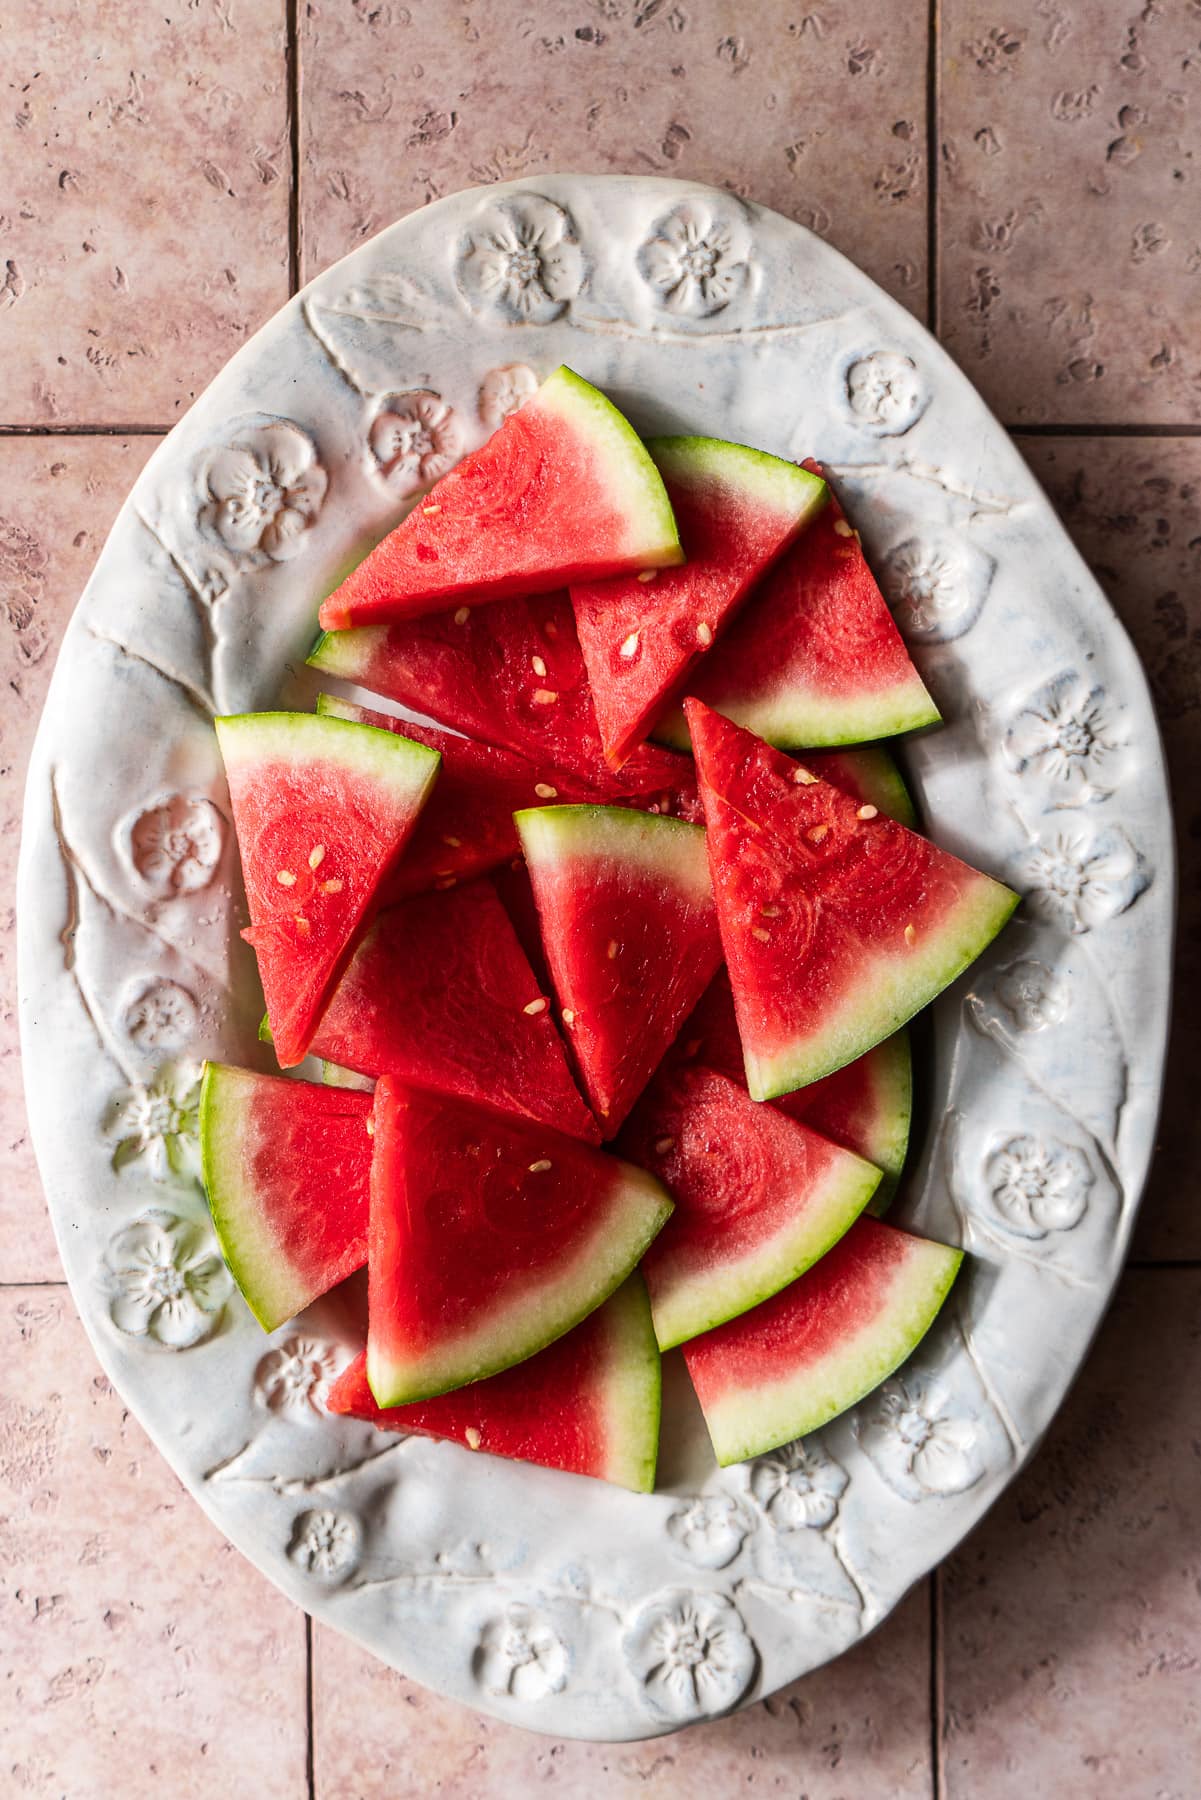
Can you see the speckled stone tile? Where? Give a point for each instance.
(1073, 1617)
(139, 1654)
(143, 201)
(1070, 264)
(58, 497)
(860, 1726)
(817, 110)
(1134, 508)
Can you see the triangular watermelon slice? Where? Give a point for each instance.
(816, 657)
(866, 1106)
(804, 1356)
(589, 1403)
(758, 1199)
(287, 1169)
(838, 924)
(510, 674)
(322, 809)
(630, 934)
(737, 510)
(564, 491)
(489, 1239)
(440, 993)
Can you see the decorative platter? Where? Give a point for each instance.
(561, 1604)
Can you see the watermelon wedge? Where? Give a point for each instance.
(738, 510)
(838, 924)
(589, 1403)
(287, 1169)
(630, 934)
(489, 1239)
(758, 1199)
(322, 809)
(509, 674)
(804, 1356)
(866, 1106)
(440, 993)
(563, 491)
(816, 658)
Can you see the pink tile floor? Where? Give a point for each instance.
(156, 205)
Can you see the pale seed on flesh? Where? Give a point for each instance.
(474, 1440)
(285, 878)
(371, 1128)
(334, 885)
(538, 666)
(536, 1006)
(611, 952)
(770, 912)
(462, 616)
(647, 574)
(842, 528)
(540, 1167)
(445, 881)
(454, 843)
(316, 856)
(301, 923)
(804, 777)
(568, 1016)
(431, 509)
(911, 934)
(867, 812)
(629, 647)
(763, 936)
(663, 1146)
(545, 791)
(544, 696)
(704, 634)
(816, 833)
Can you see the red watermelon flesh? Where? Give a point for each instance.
(793, 1364)
(563, 491)
(630, 936)
(512, 884)
(838, 924)
(865, 1106)
(759, 1198)
(870, 774)
(287, 1169)
(489, 1239)
(322, 809)
(737, 509)
(588, 1403)
(440, 993)
(509, 674)
(816, 658)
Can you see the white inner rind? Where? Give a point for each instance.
(629, 478)
(405, 768)
(671, 849)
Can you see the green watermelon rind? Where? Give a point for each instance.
(529, 1317)
(910, 981)
(630, 475)
(891, 1147)
(751, 1422)
(659, 844)
(334, 1075)
(350, 653)
(767, 480)
(633, 1390)
(704, 1301)
(406, 769)
(817, 721)
(880, 781)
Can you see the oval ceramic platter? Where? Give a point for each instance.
(561, 1604)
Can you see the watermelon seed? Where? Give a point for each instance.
(816, 833)
(443, 882)
(611, 952)
(545, 696)
(763, 936)
(663, 1145)
(301, 923)
(285, 878)
(545, 791)
(911, 934)
(536, 1006)
(568, 1016)
(334, 885)
(540, 1167)
(462, 616)
(769, 912)
(538, 666)
(431, 509)
(473, 1437)
(455, 844)
(629, 647)
(316, 856)
(647, 574)
(370, 1127)
(704, 634)
(867, 812)
(804, 777)
(842, 528)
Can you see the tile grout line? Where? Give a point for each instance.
(932, 153)
(84, 430)
(1183, 430)
(938, 1774)
(310, 1759)
(293, 80)
(16, 1286)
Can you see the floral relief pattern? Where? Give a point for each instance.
(1037, 1187)
(1080, 879)
(414, 439)
(295, 1375)
(521, 260)
(520, 1654)
(799, 1486)
(692, 1654)
(158, 1124)
(504, 391)
(919, 1444)
(160, 1016)
(696, 259)
(326, 1544)
(1065, 738)
(937, 587)
(1032, 996)
(176, 846)
(166, 1280)
(264, 492)
(885, 392)
(709, 1531)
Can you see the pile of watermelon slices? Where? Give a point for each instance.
(613, 1035)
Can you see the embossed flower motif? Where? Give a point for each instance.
(1064, 737)
(326, 1543)
(1038, 1187)
(162, 1016)
(415, 439)
(266, 490)
(799, 1486)
(504, 391)
(1080, 880)
(918, 1443)
(176, 846)
(885, 391)
(695, 260)
(520, 1654)
(692, 1653)
(937, 587)
(168, 1281)
(294, 1376)
(159, 1123)
(1032, 996)
(709, 1531)
(521, 260)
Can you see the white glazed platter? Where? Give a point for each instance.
(561, 1604)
